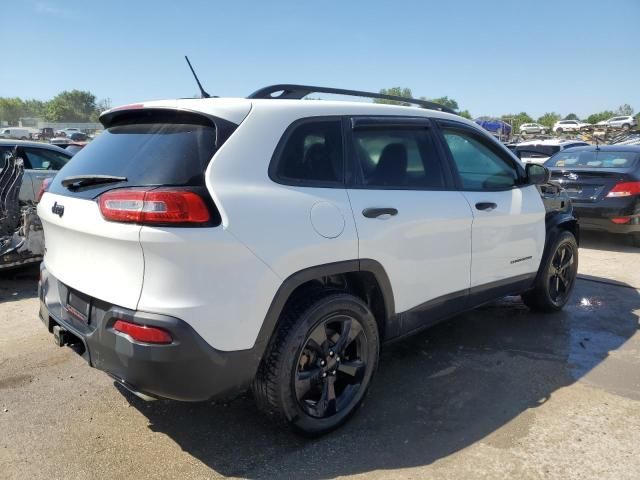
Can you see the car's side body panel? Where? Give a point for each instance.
(507, 241)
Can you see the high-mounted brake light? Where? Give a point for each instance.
(156, 206)
(143, 333)
(133, 106)
(44, 186)
(625, 189)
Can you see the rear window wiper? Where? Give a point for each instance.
(79, 181)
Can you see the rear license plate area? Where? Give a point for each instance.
(78, 305)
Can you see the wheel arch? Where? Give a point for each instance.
(364, 278)
(556, 223)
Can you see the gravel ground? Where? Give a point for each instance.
(496, 393)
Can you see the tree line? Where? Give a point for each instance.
(515, 119)
(82, 106)
(67, 106)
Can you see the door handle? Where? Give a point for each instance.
(378, 212)
(487, 206)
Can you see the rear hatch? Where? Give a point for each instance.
(588, 175)
(92, 245)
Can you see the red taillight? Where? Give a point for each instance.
(142, 333)
(158, 206)
(43, 188)
(621, 220)
(625, 189)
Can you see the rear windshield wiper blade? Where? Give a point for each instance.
(78, 181)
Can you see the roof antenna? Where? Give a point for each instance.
(203, 94)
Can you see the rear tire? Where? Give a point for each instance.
(559, 131)
(542, 132)
(626, 126)
(556, 279)
(320, 362)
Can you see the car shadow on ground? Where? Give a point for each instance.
(434, 394)
(19, 283)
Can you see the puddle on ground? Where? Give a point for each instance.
(590, 304)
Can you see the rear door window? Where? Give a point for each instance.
(173, 150)
(398, 158)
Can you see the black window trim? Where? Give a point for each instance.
(276, 158)
(355, 178)
(496, 147)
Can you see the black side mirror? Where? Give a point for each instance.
(537, 174)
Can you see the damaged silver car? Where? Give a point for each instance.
(25, 170)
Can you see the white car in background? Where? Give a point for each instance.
(569, 126)
(539, 151)
(529, 128)
(18, 133)
(624, 121)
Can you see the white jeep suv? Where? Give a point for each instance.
(200, 247)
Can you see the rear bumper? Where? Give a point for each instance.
(599, 215)
(187, 369)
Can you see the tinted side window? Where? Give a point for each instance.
(41, 159)
(398, 158)
(312, 154)
(479, 167)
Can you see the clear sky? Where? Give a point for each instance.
(492, 56)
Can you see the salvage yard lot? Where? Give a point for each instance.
(495, 393)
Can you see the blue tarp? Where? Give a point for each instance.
(494, 126)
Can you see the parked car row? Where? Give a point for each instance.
(624, 122)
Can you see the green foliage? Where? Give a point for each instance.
(571, 116)
(548, 119)
(73, 106)
(598, 117)
(445, 102)
(11, 109)
(625, 109)
(398, 92)
(465, 114)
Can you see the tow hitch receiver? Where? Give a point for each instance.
(61, 336)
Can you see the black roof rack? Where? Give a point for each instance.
(296, 92)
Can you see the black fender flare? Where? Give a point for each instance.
(301, 277)
(555, 223)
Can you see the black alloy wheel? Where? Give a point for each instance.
(331, 366)
(561, 276)
(320, 363)
(557, 275)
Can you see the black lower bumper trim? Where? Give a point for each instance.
(187, 369)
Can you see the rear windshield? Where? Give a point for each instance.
(537, 150)
(591, 159)
(146, 154)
